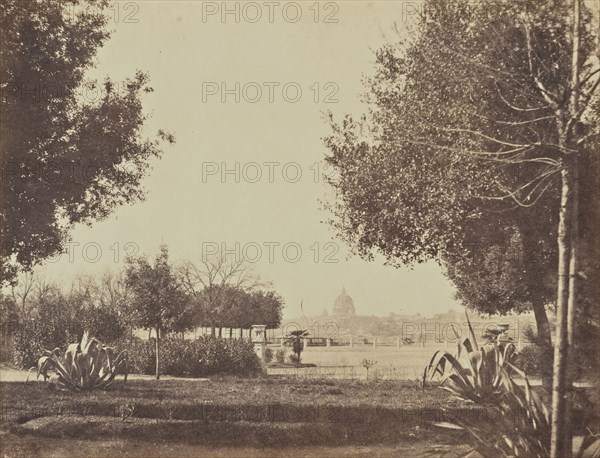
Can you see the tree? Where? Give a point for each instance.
(51, 315)
(49, 321)
(114, 296)
(509, 270)
(231, 307)
(509, 267)
(269, 306)
(21, 290)
(72, 151)
(9, 323)
(92, 312)
(157, 297)
(483, 118)
(258, 307)
(211, 280)
(226, 305)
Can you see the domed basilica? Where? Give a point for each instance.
(343, 305)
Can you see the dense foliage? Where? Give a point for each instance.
(225, 292)
(157, 301)
(195, 358)
(458, 160)
(47, 316)
(37, 314)
(72, 150)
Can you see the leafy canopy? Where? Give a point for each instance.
(72, 151)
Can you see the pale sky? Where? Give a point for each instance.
(188, 57)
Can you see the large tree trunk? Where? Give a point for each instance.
(561, 436)
(561, 346)
(544, 336)
(571, 305)
(574, 259)
(543, 324)
(157, 353)
(532, 280)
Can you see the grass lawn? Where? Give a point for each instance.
(404, 363)
(250, 417)
(35, 446)
(409, 357)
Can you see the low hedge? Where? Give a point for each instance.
(195, 358)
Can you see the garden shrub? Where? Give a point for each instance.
(535, 360)
(280, 356)
(268, 355)
(50, 326)
(141, 356)
(529, 360)
(26, 352)
(196, 358)
(34, 337)
(7, 353)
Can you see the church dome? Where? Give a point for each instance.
(343, 305)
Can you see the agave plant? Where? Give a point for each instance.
(85, 365)
(520, 426)
(475, 373)
(520, 423)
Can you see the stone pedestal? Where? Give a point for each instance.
(328, 342)
(259, 340)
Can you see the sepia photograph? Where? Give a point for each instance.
(311, 228)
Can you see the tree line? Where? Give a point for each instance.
(148, 294)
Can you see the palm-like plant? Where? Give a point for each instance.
(521, 425)
(296, 340)
(85, 365)
(475, 373)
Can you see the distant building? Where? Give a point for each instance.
(343, 305)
